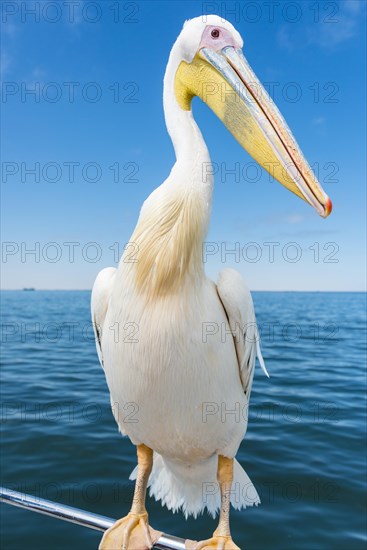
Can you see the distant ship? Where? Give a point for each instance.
(29, 288)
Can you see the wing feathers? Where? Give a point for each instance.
(100, 299)
(238, 305)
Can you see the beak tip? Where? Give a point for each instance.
(328, 207)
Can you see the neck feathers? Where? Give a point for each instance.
(169, 238)
(173, 221)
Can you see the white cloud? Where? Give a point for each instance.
(293, 219)
(341, 28)
(5, 62)
(281, 218)
(353, 6)
(330, 35)
(318, 121)
(331, 30)
(284, 38)
(8, 29)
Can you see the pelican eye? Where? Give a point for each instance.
(215, 33)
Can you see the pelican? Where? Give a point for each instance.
(169, 379)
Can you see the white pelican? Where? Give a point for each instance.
(177, 377)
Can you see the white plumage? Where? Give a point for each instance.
(183, 379)
(165, 363)
(178, 350)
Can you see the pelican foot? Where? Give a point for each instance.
(217, 542)
(130, 533)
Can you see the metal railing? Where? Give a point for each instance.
(75, 515)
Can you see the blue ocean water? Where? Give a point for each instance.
(304, 449)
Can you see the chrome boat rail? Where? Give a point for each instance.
(75, 515)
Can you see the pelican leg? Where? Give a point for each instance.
(221, 539)
(133, 531)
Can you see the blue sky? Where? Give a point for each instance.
(96, 114)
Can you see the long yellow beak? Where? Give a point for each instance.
(225, 81)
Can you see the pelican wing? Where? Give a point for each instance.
(239, 308)
(101, 293)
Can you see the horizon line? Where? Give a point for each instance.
(34, 289)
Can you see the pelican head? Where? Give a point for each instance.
(208, 62)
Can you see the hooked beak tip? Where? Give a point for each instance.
(328, 207)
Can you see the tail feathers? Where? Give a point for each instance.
(194, 488)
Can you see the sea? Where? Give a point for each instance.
(305, 447)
